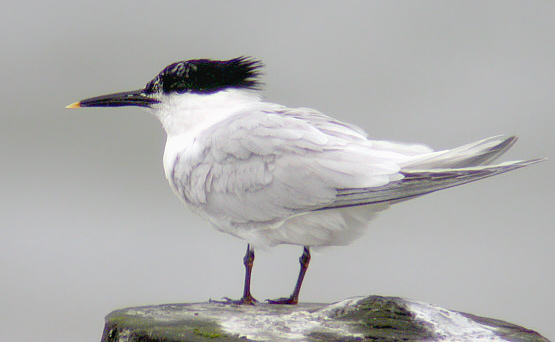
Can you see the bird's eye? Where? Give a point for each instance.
(153, 86)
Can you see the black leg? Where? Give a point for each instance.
(248, 261)
(294, 298)
(247, 298)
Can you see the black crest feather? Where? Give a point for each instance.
(206, 76)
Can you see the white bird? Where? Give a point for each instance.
(271, 175)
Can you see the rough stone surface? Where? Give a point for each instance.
(370, 318)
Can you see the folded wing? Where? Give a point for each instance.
(267, 165)
(420, 182)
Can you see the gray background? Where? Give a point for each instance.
(89, 224)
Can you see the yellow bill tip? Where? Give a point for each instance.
(74, 105)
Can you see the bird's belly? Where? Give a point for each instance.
(334, 227)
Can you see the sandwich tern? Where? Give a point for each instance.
(271, 175)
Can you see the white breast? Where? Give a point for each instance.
(186, 116)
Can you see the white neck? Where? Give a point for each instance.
(191, 113)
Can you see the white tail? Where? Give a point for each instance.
(473, 154)
(435, 171)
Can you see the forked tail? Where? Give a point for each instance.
(436, 171)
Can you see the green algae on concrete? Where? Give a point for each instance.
(373, 318)
(384, 319)
(121, 326)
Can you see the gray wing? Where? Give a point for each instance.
(420, 182)
(268, 164)
(264, 166)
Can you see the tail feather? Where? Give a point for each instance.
(469, 155)
(420, 182)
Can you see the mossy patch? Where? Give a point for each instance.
(374, 318)
(384, 319)
(121, 327)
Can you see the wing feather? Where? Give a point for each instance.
(267, 166)
(420, 182)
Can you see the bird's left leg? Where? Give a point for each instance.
(304, 260)
(248, 261)
(247, 298)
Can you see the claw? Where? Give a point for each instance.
(283, 301)
(294, 298)
(249, 300)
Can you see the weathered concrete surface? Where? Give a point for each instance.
(370, 318)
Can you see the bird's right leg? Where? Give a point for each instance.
(247, 298)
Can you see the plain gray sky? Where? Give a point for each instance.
(89, 224)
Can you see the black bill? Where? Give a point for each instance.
(126, 98)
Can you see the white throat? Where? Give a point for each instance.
(191, 113)
(185, 116)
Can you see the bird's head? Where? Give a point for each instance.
(199, 76)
